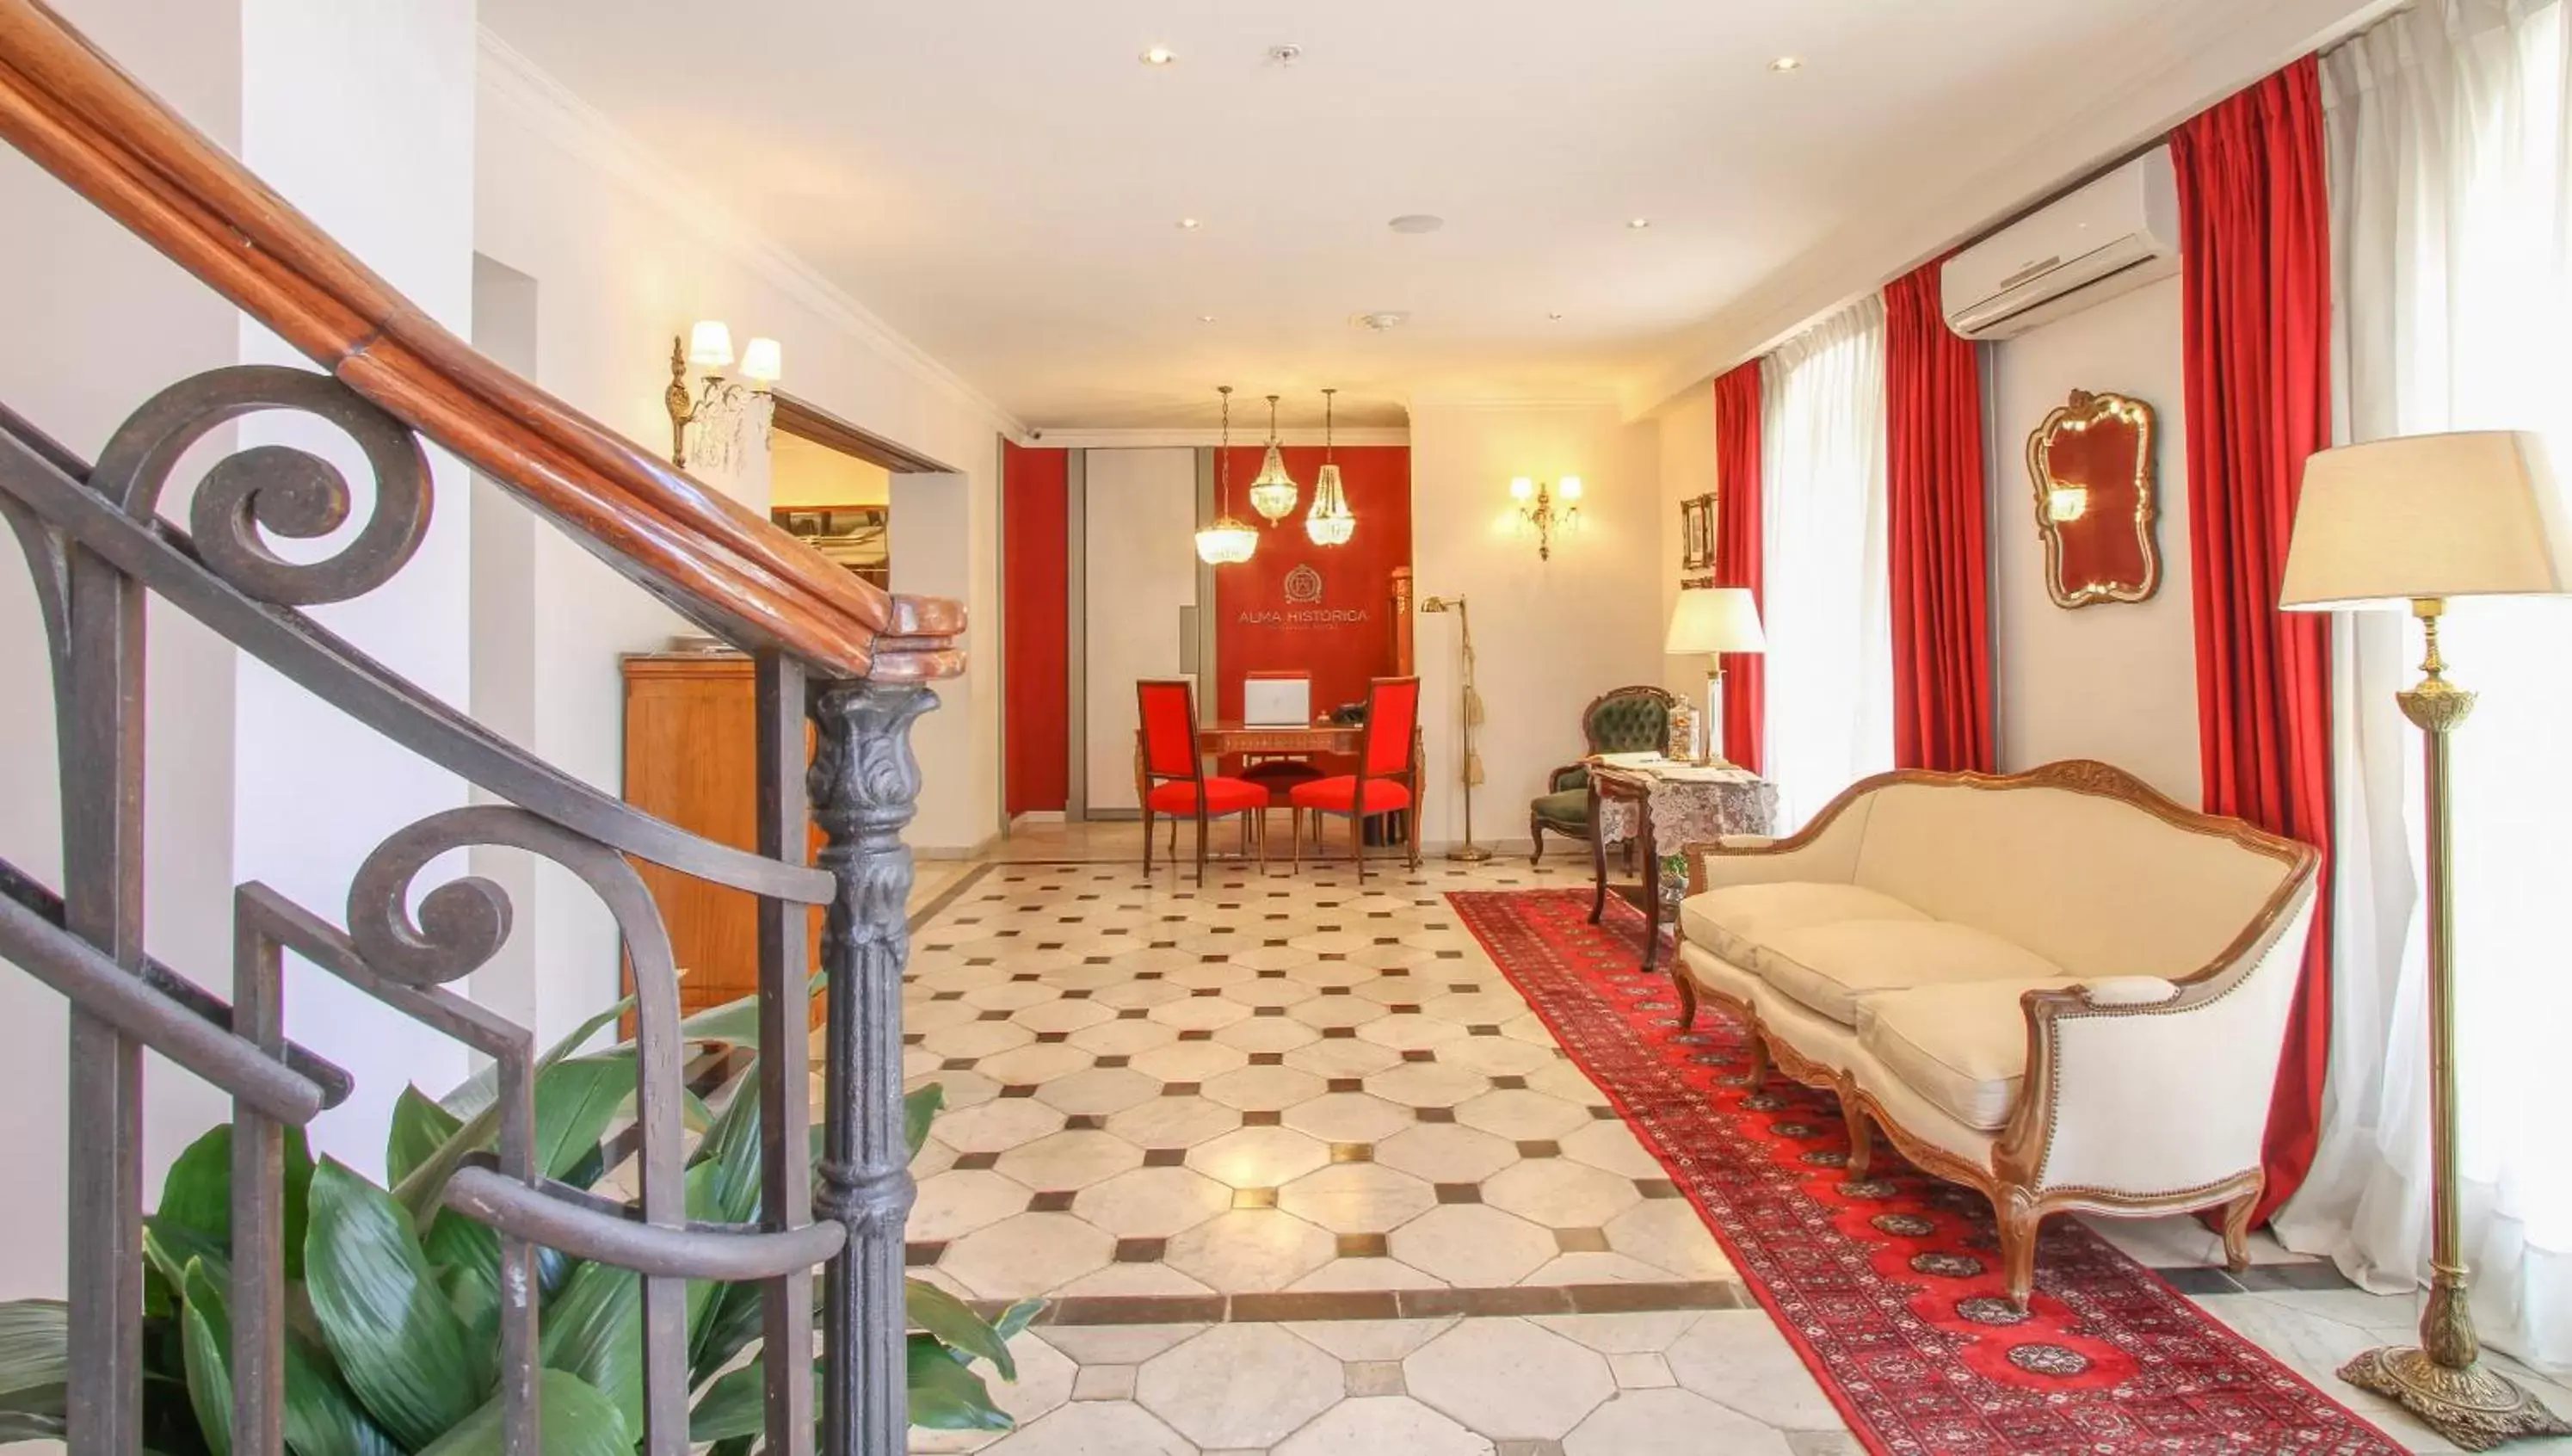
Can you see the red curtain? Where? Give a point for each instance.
(1942, 663)
(2257, 295)
(1035, 642)
(1737, 555)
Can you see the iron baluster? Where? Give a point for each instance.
(784, 1055)
(864, 786)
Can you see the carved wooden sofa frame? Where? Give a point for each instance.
(2014, 1179)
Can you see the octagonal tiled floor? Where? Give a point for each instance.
(1138, 1057)
(1232, 1130)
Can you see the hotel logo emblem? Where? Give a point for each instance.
(1303, 585)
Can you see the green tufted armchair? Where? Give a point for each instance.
(1625, 720)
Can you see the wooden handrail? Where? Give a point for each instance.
(76, 114)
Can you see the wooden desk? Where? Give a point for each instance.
(1217, 739)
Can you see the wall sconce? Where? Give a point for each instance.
(1540, 508)
(708, 349)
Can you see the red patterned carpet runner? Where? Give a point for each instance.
(1891, 1288)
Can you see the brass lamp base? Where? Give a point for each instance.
(2474, 1406)
(1471, 854)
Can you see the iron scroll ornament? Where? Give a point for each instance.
(2092, 468)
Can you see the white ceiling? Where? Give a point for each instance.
(1000, 179)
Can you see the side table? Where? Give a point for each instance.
(1666, 802)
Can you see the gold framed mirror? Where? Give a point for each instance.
(2092, 466)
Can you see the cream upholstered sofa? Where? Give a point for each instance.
(2059, 986)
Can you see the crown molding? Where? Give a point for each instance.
(1144, 439)
(534, 96)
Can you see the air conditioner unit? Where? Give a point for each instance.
(2114, 234)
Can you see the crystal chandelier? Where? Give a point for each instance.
(1330, 523)
(1273, 493)
(1227, 542)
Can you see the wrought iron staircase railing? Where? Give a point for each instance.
(829, 649)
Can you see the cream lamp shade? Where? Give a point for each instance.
(710, 346)
(1713, 619)
(2423, 516)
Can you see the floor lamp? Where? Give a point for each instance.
(2422, 519)
(1713, 620)
(1468, 851)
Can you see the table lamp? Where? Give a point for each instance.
(2417, 520)
(1714, 621)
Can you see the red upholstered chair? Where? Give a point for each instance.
(1388, 776)
(1172, 776)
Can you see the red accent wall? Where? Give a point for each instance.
(1036, 567)
(1344, 638)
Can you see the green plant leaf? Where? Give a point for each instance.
(35, 1355)
(321, 1417)
(396, 1339)
(918, 1110)
(197, 1194)
(948, 1396)
(577, 1421)
(594, 1329)
(480, 1090)
(419, 1128)
(19, 1425)
(731, 1147)
(945, 1317)
(208, 1327)
(735, 1405)
(1016, 1319)
(730, 1323)
(575, 1100)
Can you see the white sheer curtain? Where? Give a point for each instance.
(1829, 597)
(2448, 200)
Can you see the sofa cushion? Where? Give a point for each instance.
(1733, 920)
(1831, 968)
(1964, 1048)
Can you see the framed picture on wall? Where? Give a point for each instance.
(1697, 533)
(858, 537)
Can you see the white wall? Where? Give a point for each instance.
(102, 323)
(1550, 635)
(362, 119)
(363, 116)
(2116, 681)
(624, 254)
(1687, 471)
(1141, 573)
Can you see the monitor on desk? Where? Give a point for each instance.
(1277, 699)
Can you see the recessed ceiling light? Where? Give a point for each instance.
(1159, 56)
(1285, 55)
(1784, 64)
(1555, 316)
(1417, 223)
(1189, 225)
(1205, 318)
(1389, 318)
(1638, 224)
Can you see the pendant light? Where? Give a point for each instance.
(1330, 523)
(1273, 493)
(1227, 542)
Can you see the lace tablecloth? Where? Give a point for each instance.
(1690, 804)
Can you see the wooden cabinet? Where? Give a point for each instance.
(691, 757)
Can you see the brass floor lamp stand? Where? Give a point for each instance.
(1468, 851)
(2442, 1380)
